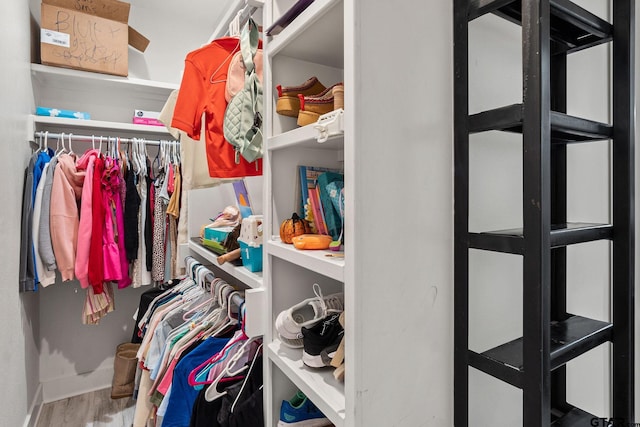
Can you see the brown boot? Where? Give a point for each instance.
(124, 370)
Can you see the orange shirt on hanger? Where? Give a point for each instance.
(203, 91)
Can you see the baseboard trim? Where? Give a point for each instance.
(34, 410)
(62, 388)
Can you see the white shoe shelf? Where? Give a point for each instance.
(393, 150)
(312, 45)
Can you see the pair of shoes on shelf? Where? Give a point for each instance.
(309, 101)
(322, 342)
(299, 411)
(307, 313)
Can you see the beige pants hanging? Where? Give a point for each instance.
(143, 404)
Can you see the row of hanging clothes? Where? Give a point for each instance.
(106, 217)
(196, 364)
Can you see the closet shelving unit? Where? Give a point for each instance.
(311, 45)
(535, 363)
(109, 99)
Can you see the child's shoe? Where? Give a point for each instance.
(288, 103)
(312, 107)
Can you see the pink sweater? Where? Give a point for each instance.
(64, 215)
(85, 163)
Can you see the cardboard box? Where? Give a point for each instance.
(91, 35)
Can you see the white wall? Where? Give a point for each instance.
(19, 313)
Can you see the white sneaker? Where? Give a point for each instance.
(306, 313)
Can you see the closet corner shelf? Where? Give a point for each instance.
(51, 123)
(319, 385)
(65, 77)
(320, 26)
(314, 260)
(305, 136)
(253, 280)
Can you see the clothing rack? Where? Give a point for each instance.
(98, 139)
(209, 276)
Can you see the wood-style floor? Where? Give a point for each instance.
(95, 409)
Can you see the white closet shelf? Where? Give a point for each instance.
(305, 136)
(316, 35)
(319, 385)
(314, 260)
(49, 123)
(46, 76)
(253, 280)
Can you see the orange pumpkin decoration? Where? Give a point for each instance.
(292, 227)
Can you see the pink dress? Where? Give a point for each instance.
(125, 280)
(110, 250)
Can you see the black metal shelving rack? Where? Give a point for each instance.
(535, 363)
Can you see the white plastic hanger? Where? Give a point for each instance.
(234, 25)
(70, 147)
(246, 379)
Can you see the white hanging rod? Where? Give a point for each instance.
(97, 138)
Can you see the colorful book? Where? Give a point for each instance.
(318, 218)
(332, 217)
(307, 177)
(242, 198)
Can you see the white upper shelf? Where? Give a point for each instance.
(107, 98)
(65, 125)
(319, 261)
(57, 76)
(316, 35)
(305, 136)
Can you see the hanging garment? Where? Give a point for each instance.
(143, 404)
(27, 267)
(202, 90)
(193, 154)
(194, 172)
(44, 230)
(65, 195)
(85, 163)
(96, 260)
(159, 221)
(125, 280)
(110, 250)
(241, 406)
(44, 157)
(183, 396)
(97, 305)
(45, 277)
(131, 210)
(148, 223)
(141, 276)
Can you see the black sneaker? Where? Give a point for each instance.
(323, 336)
